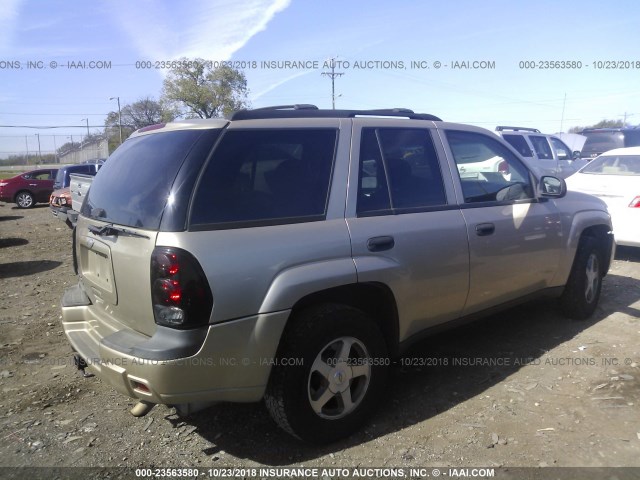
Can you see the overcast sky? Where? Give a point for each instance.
(384, 49)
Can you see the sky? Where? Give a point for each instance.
(494, 59)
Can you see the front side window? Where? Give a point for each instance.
(541, 146)
(265, 177)
(488, 171)
(399, 171)
(562, 151)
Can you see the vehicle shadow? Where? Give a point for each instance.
(31, 267)
(6, 218)
(13, 242)
(434, 376)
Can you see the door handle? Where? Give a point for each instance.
(484, 229)
(379, 244)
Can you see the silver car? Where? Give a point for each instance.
(291, 254)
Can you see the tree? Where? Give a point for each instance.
(136, 115)
(601, 124)
(198, 90)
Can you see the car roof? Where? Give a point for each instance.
(623, 151)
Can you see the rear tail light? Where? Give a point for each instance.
(635, 203)
(503, 167)
(179, 289)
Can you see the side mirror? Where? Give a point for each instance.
(552, 187)
(576, 154)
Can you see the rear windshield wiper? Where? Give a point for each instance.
(111, 230)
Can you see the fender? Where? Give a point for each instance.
(574, 224)
(296, 282)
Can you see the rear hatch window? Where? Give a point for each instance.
(600, 142)
(133, 187)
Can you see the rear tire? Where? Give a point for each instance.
(582, 292)
(339, 372)
(25, 200)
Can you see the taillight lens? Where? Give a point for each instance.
(179, 289)
(635, 203)
(503, 167)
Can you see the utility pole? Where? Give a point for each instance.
(26, 142)
(119, 117)
(39, 151)
(332, 75)
(87, 126)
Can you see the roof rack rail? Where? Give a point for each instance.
(311, 111)
(517, 129)
(296, 106)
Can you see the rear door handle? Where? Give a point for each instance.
(484, 229)
(379, 244)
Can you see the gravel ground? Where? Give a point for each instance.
(525, 388)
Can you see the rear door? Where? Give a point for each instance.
(40, 183)
(514, 238)
(406, 230)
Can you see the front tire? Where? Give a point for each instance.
(25, 200)
(332, 366)
(582, 292)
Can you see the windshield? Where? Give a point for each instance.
(132, 188)
(614, 165)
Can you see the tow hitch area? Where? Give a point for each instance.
(81, 365)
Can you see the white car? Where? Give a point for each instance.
(614, 177)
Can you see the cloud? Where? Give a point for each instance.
(8, 21)
(205, 29)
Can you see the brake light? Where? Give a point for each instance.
(503, 167)
(179, 289)
(635, 203)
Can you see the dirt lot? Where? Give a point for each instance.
(524, 388)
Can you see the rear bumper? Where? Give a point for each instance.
(230, 361)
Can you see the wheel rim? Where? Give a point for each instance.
(593, 278)
(339, 378)
(24, 200)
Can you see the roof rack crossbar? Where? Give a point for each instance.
(311, 111)
(502, 128)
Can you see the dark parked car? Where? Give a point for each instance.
(63, 177)
(600, 140)
(28, 188)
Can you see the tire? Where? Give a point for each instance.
(582, 291)
(25, 199)
(335, 387)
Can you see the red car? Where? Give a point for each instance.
(28, 188)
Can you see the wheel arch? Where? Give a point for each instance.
(376, 300)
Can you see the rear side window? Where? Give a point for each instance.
(520, 144)
(133, 187)
(399, 172)
(262, 177)
(542, 148)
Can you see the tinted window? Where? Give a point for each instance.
(488, 170)
(265, 176)
(614, 165)
(600, 142)
(542, 148)
(520, 144)
(399, 170)
(132, 188)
